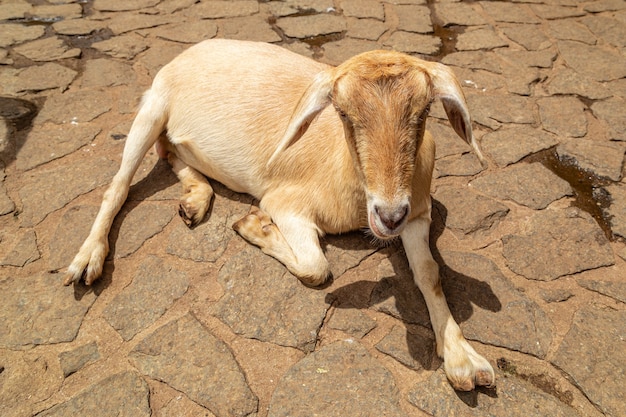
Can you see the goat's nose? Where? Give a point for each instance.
(392, 217)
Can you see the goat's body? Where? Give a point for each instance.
(228, 110)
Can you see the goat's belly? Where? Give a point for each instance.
(221, 163)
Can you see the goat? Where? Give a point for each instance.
(258, 119)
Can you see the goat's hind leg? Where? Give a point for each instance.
(148, 124)
(292, 240)
(197, 192)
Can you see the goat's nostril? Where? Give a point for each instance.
(392, 218)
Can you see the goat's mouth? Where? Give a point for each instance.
(380, 231)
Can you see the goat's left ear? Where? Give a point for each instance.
(315, 99)
(447, 89)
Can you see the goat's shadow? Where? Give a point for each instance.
(398, 296)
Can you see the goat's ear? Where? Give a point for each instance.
(447, 89)
(315, 99)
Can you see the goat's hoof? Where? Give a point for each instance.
(466, 369)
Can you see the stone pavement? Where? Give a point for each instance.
(198, 323)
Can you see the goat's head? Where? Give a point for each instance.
(383, 98)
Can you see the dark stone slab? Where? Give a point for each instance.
(190, 359)
(75, 107)
(531, 185)
(73, 360)
(479, 213)
(610, 111)
(24, 251)
(458, 14)
(606, 66)
(155, 287)
(528, 36)
(415, 350)
(563, 116)
(617, 209)
(458, 165)
(39, 310)
(569, 82)
(69, 235)
(481, 38)
(492, 110)
(551, 245)
(513, 397)
(263, 301)
(616, 290)
(140, 224)
(341, 379)
(351, 321)
(124, 395)
(311, 26)
(593, 354)
(511, 144)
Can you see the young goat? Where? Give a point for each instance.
(259, 119)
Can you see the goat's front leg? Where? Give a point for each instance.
(292, 240)
(463, 366)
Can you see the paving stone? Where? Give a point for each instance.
(330, 382)
(611, 112)
(139, 225)
(555, 296)
(617, 209)
(549, 247)
(563, 116)
(458, 14)
(527, 36)
(48, 142)
(123, 47)
(189, 358)
(131, 311)
(14, 10)
(69, 235)
(511, 144)
(74, 107)
(492, 110)
(606, 66)
(616, 290)
(6, 204)
(482, 38)
(48, 49)
(351, 321)
(413, 18)
(486, 305)
(122, 5)
(303, 27)
(45, 191)
(412, 43)
(159, 54)
(611, 30)
(531, 185)
(540, 59)
(219, 9)
(249, 28)
(77, 26)
(412, 349)
(37, 78)
(263, 301)
(103, 72)
(363, 9)
(604, 5)
(124, 395)
(127, 22)
(369, 29)
(550, 12)
(12, 33)
(54, 12)
(284, 8)
(483, 60)
(602, 158)
(458, 165)
(520, 80)
(73, 360)
(506, 12)
(187, 32)
(446, 139)
(24, 252)
(513, 397)
(569, 82)
(571, 30)
(39, 310)
(480, 214)
(337, 52)
(597, 368)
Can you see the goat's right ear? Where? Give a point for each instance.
(315, 99)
